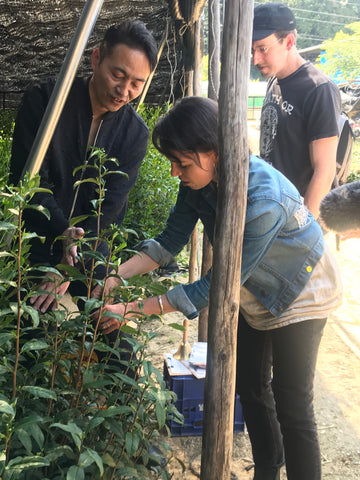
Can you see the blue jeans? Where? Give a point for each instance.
(275, 376)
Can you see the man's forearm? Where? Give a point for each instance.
(319, 186)
(323, 160)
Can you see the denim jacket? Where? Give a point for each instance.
(282, 241)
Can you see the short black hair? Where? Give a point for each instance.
(132, 33)
(191, 126)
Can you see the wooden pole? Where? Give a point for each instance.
(230, 220)
(213, 89)
(198, 59)
(150, 77)
(193, 270)
(214, 49)
(196, 90)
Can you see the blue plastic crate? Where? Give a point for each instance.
(190, 403)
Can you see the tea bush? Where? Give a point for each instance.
(72, 407)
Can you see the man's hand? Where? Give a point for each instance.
(69, 249)
(56, 286)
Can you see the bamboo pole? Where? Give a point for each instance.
(150, 77)
(62, 87)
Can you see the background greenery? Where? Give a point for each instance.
(155, 190)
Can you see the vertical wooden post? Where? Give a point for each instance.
(214, 49)
(189, 82)
(198, 59)
(206, 262)
(193, 270)
(213, 89)
(230, 220)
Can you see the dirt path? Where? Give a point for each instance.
(337, 386)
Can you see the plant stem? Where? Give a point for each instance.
(18, 295)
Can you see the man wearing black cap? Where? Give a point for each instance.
(299, 137)
(299, 118)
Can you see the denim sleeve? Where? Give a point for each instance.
(155, 251)
(190, 299)
(263, 225)
(180, 223)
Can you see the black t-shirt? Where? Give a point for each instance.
(298, 109)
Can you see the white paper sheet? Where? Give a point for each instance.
(198, 354)
(176, 367)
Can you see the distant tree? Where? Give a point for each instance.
(320, 20)
(342, 54)
(317, 21)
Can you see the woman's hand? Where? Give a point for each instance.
(130, 311)
(106, 292)
(108, 323)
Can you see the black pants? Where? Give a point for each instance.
(275, 376)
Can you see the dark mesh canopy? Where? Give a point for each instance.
(36, 35)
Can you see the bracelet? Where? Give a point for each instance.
(160, 305)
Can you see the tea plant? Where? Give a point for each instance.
(73, 404)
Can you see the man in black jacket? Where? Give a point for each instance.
(97, 113)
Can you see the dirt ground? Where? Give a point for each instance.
(337, 385)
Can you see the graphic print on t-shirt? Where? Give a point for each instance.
(269, 126)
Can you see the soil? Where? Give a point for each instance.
(337, 385)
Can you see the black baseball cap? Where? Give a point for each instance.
(270, 18)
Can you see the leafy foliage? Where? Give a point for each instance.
(342, 53)
(355, 162)
(7, 119)
(319, 20)
(6, 129)
(155, 190)
(73, 404)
